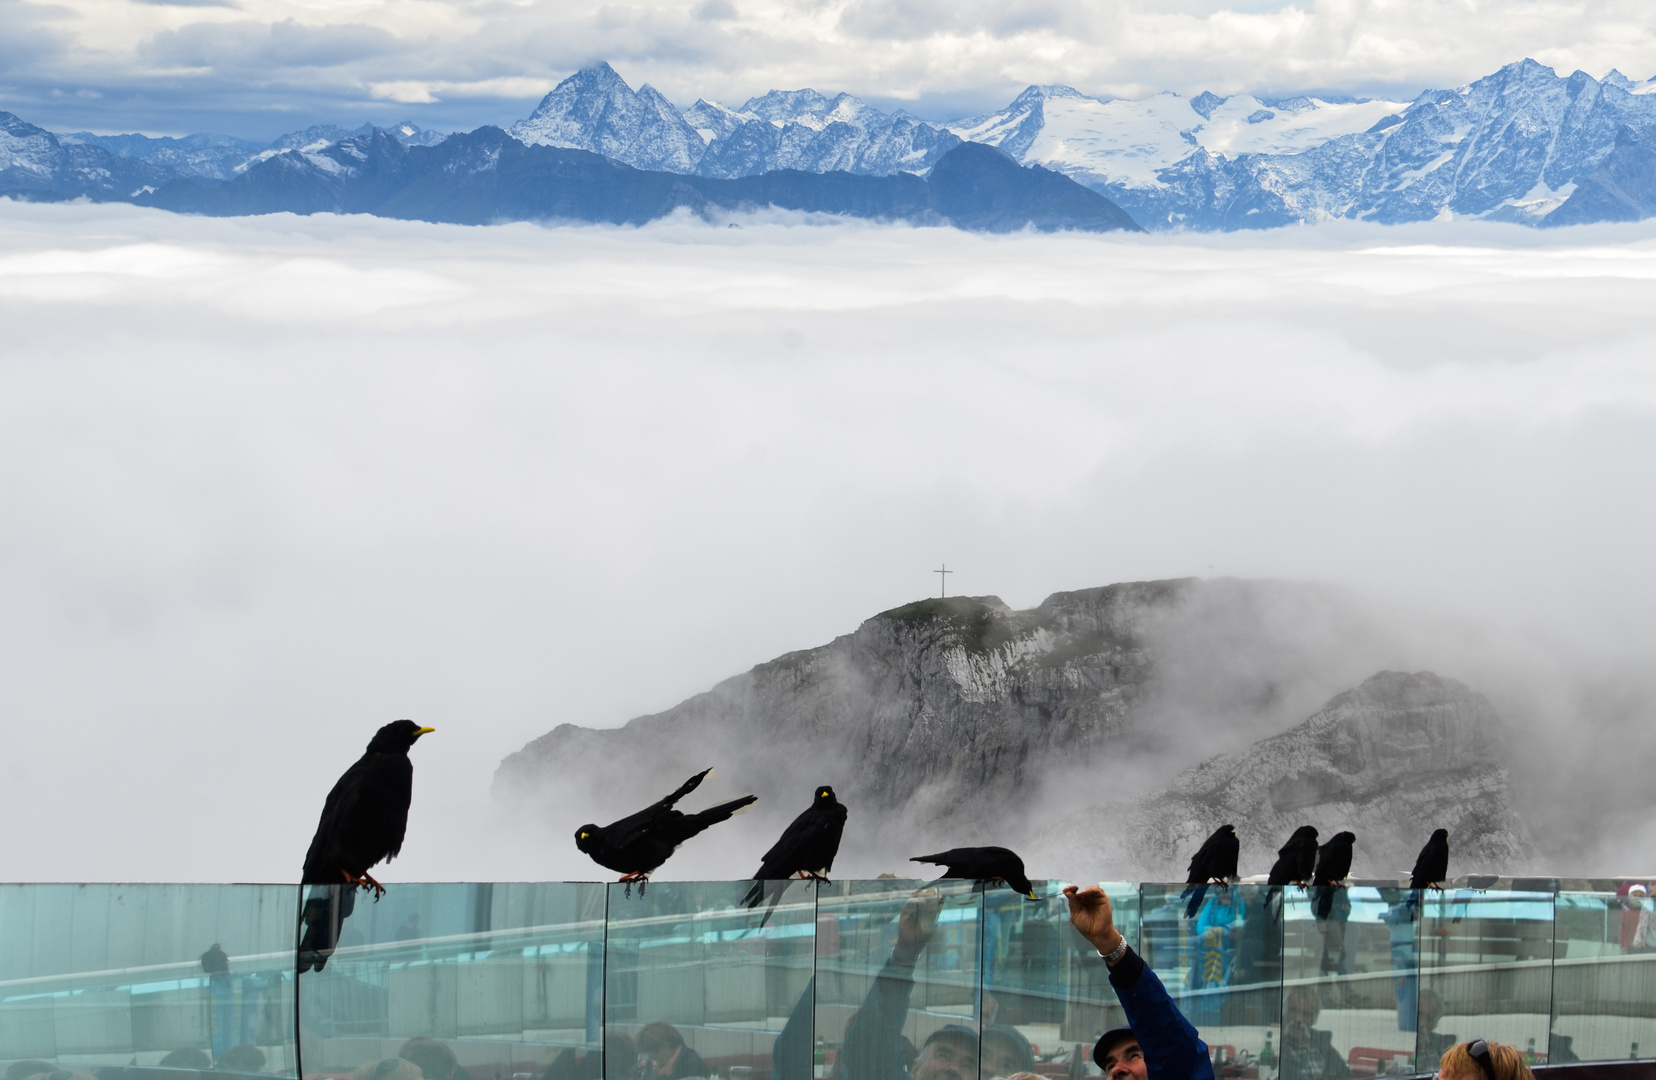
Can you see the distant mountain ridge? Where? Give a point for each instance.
(1523, 144)
(487, 176)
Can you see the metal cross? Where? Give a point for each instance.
(943, 581)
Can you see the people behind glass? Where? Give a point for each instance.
(1431, 1044)
(221, 1009)
(1307, 1053)
(410, 928)
(664, 1056)
(589, 1064)
(244, 1058)
(433, 1057)
(1483, 1060)
(1635, 935)
(1157, 1039)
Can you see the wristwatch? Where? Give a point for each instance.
(1114, 955)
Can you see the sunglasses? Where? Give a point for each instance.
(1480, 1053)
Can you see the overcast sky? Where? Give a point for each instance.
(271, 482)
(258, 68)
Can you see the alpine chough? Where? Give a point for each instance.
(363, 821)
(806, 848)
(1431, 869)
(983, 864)
(1214, 862)
(639, 843)
(1333, 867)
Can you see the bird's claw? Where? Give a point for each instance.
(366, 881)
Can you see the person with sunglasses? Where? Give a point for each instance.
(1158, 1043)
(1481, 1059)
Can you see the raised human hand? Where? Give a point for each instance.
(1092, 916)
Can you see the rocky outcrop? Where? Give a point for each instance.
(1397, 757)
(956, 721)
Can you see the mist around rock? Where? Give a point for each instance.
(1107, 731)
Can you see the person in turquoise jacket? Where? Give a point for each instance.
(1158, 1043)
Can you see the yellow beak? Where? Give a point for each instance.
(424, 731)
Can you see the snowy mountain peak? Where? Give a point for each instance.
(594, 109)
(714, 121)
(808, 107)
(1205, 102)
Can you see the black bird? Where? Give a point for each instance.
(983, 864)
(1295, 861)
(1333, 867)
(363, 821)
(807, 848)
(639, 843)
(1214, 862)
(1431, 869)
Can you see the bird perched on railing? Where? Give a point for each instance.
(1333, 867)
(1431, 868)
(806, 848)
(1296, 860)
(1213, 864)
(984, 864)
(639, 843)
(363, 822)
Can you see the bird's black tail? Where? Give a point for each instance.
(687, 787)
(1324, 897)
(715, 814)
(325, 909)
(772, 888)
(1196, 893)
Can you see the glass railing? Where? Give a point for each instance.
(857, 980)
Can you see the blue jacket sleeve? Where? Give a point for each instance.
(1172, 1051)
(873, 1046)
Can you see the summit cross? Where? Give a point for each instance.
(943, 581)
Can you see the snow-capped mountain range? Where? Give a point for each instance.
(1514, 146)
(1524, 144)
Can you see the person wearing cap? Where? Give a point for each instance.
(1158, 1043)
(1635, 918)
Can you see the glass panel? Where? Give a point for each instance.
(1349, 988)
(1043, 981)
(898, 980)
(461, 981)
(1604, 977)
(701, 984)
(1223, 966)
(137, 976)
(1485, 970)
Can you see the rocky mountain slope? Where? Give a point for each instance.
(961, 720)
(1393, 759)
(596, 110)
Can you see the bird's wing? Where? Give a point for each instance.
(323, 859)
(780, 860)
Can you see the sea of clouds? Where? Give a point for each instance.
(269, 483)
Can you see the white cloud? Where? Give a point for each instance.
(272, 482)
(287, 54)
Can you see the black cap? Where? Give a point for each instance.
(1109, 1041)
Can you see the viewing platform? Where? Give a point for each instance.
(555, 981)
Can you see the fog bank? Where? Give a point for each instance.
(271, 483)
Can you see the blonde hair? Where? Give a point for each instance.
(1505, 1062)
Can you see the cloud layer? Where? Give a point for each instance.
(259, 67)
(273, 482)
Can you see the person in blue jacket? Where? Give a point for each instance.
(1158, 1043)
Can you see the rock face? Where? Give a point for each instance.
(1397, 757)
(594, 109)
(959, 721)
